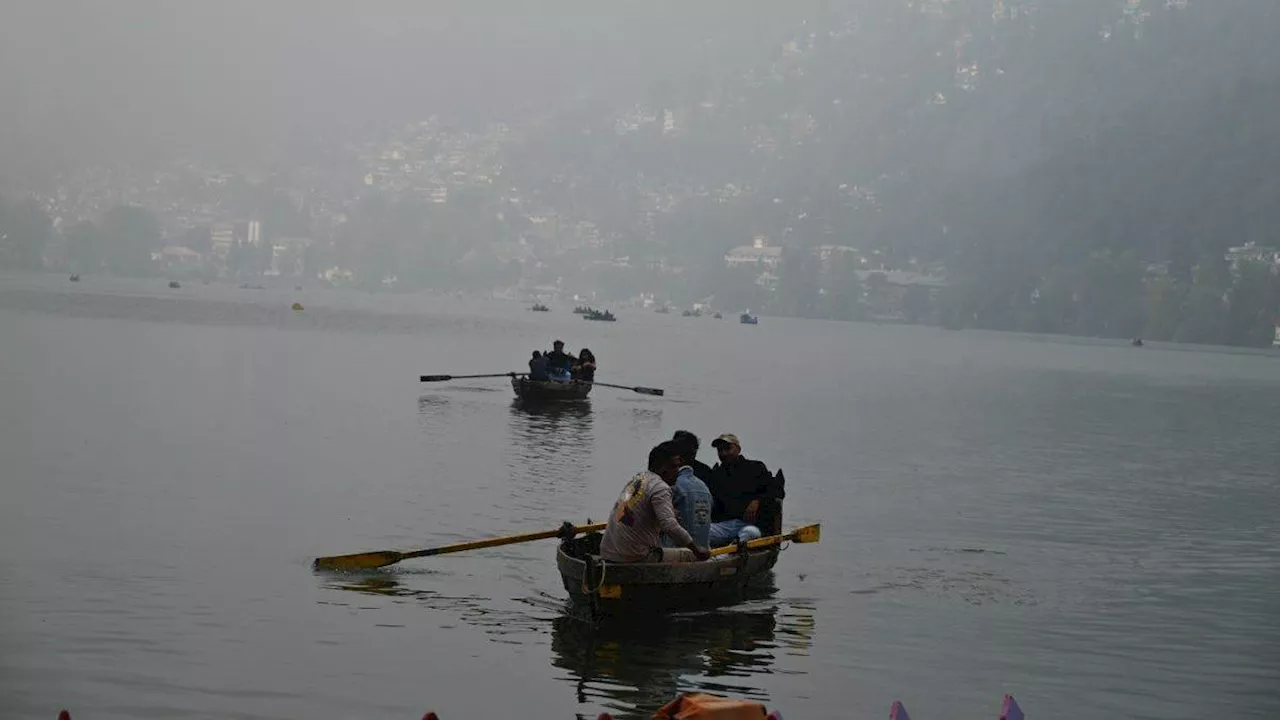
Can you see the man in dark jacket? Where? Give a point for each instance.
(745, 494)
(538, 367)
(689, 445)
(558, 359)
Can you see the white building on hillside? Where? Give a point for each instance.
(758, 254)
(1252, 252)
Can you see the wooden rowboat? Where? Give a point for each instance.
(549, 390)
(612, 588)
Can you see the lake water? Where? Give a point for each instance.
(1088, 526)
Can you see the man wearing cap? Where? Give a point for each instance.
(558, 359)
(745, 494)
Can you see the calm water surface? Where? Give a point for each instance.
(1088, 526)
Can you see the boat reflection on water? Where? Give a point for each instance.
(632, 668)
(547, 438)
(536, 423)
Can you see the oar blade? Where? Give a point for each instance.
(358, 561)
(650, 391)
(808, 534)
(435, 378)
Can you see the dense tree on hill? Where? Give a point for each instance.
(25, 230)
(130, 234)
(199, 239)
(86, 250)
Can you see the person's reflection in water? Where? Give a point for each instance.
(633, 668)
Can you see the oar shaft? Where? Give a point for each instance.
(767, 541)
(753, 544)
(498, 541)
(383, 558)
(444, 378)
(639, 389)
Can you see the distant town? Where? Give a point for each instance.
(945, 182)
(351, 222)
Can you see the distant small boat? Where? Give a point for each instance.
(539, 307)
(1137, 342)
(663, 310)
(718, 316)
(605, 316)
(174, 284)
(582, 310)
(75, 278)
(748, 319)
(297, 307)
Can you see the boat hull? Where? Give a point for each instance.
(550, 391)
(608, 589)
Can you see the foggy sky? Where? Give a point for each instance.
(93, 80)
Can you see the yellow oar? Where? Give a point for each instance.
(804, 534)
(382, 558)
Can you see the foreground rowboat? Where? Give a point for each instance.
(549, 391)
(608, 588)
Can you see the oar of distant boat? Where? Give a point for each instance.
(636, 388)
(446, 378)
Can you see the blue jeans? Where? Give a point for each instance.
(727, 532)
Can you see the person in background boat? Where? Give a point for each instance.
(689, 445)
(644, 513)
(558, 359)
(747, 496)
(689, 495)
(538, 367)
(585, 369)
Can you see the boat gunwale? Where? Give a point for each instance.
(655, 574)
(526, 389)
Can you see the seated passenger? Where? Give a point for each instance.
(690, 496)
(643, 513)
(558, 359)
(690, 443)
(585, 369)
(746, 496)
(538, 367)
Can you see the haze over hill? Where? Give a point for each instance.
(1042, 165)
